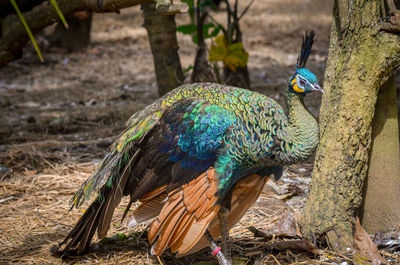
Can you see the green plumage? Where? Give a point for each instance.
(194, 127)
(260, 133)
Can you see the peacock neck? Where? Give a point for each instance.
(302, 128)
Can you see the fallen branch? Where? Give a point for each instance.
(44, 15)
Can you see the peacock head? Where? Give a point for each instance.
(304, 81)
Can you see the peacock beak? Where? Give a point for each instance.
(317, 87)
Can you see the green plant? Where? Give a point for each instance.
(232, 55)
(28, 30)
(209, 30)
(226, 46)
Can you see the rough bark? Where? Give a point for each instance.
(44, 15)
(382, 186)
(77, 36)
(161, 31)
(361, 58)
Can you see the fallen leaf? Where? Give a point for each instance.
(287, 226)
(366, 252)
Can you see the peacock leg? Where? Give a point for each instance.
(222, 216)
(216, 250)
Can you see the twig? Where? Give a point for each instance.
(275, 259)
(51, 220)
(6, 199)
(216, 22)
(159, 260)
(246, 9)
(338, 254)
(387, 254)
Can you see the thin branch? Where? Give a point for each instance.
(217, 23)
(245, 10)
(44, 15)
(200, 18)
(235, 9)
(229, 9)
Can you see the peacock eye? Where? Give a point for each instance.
(302, 82)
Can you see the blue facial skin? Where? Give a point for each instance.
(305, 81)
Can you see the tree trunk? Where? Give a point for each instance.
(361, 58)
(77, 36)
(239, 78)
(382, 187)
(164, 46)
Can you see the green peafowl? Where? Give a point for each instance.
(197, 159)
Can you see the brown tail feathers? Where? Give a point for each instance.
(244, 195)
(192, 208)
(185, 215)
(97, 217)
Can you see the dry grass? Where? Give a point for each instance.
(34, 217)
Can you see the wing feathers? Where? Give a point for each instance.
(196, 231)
(168, 229)
(244, 195)
(148, 210)
(180, 225)
(166, 212)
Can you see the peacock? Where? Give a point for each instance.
(196, 160)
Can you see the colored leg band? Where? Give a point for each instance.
(216, 251)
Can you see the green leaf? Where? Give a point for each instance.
(60, 14)
(190, 67)
(232, 56)
(187, 29)
(237, 57)
(116, 237)
(121, 236)
(218, 50)
(206, 28)
(28, 30)
(194, 39)
(215, 32)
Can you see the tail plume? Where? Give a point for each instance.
(78, 240)
(99, 214)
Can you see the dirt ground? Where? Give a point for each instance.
(59, 117)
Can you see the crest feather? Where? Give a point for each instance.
(306, 46)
